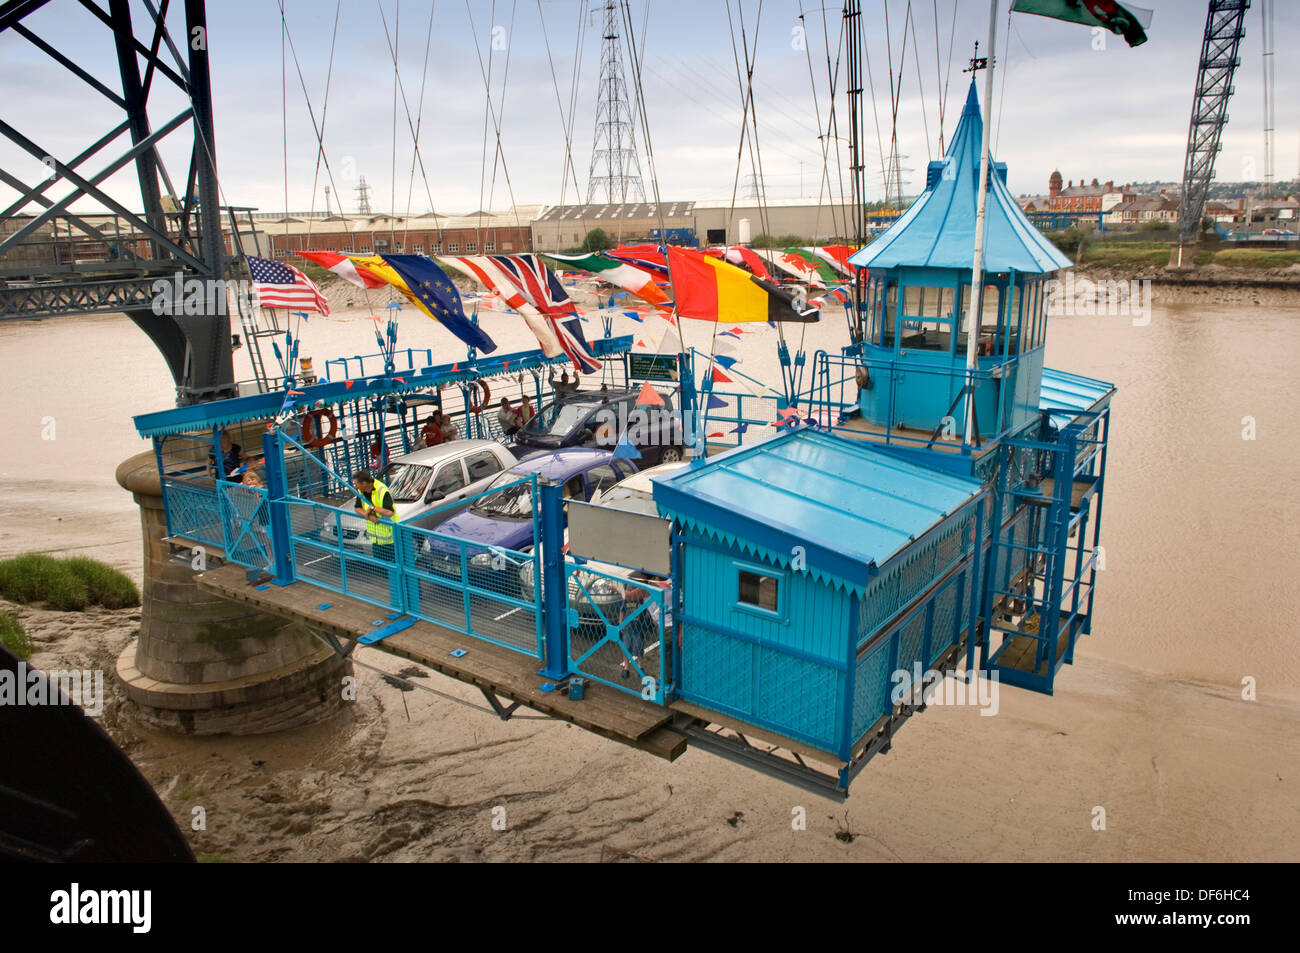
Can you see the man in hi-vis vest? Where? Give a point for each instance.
(376, 505)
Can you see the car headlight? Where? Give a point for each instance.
(481, 561)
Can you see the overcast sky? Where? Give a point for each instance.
(1114, 113)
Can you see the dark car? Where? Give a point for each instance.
(501, 523)
(600, 419)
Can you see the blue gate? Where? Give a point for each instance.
(617, 628)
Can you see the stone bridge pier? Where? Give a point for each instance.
(204, 665)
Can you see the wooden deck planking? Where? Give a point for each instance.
(1020, 652)
(512, 675)
(859, 428)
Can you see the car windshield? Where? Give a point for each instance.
(629, 500)
(559, 419)
(406, 481)
(516, 502)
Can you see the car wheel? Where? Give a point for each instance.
(670, 455)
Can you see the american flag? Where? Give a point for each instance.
(543, 290)
(283, 286)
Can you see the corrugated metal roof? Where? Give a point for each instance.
(938, 229)
(1070, 392)
(850, 506)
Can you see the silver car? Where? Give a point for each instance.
(426, 480)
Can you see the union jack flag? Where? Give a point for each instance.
(540, 288)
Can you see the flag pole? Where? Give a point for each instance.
(977, 267)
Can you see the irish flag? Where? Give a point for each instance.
(628, 277)
(342, 266)
(1128, 22)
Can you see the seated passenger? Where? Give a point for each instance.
(449, 429)
(508, 418)
(431, 434)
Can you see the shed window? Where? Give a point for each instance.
(758, 590)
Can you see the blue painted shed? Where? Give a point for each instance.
(809, 569)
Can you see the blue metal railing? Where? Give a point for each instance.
(886, 668)
(617, 631)
(245, 523)
(487, 592)
(743, 418)
(194, 511)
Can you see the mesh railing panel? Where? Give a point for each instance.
(245, 516)
(616, 630)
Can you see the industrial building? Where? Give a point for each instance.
(384, 233)
(709, 222)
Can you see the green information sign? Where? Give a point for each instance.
(653, 367)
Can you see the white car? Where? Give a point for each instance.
(431, 479)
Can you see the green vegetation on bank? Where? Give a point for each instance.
(1130, 254)
(14, 637)
(69, 584)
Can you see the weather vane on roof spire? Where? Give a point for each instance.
(977, 62)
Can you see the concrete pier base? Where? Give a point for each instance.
(206, 665)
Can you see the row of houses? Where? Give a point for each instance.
(1125, 205)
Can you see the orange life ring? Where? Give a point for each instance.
(312, 430)
(476, 407)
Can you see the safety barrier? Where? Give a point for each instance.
(245, 518)
(616, 630)
(193, 511)
(741, 418)
(887, 665)
(487, 592)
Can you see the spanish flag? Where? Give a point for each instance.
(374, 267)
(710, 289)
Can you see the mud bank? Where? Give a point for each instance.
(1183, 771)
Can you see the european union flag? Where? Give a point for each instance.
(439, 296)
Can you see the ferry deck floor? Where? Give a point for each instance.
(498, 672)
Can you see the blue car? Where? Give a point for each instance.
(501, 523)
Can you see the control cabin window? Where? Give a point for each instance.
(990, 305)
(888, 313)
(758, 590)
(1017, 295)
(927, 318)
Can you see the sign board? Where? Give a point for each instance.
(652, 367)
(635, 540)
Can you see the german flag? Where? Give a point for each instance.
(709, 289)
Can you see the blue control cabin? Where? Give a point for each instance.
(1039, 435)
(811, 568)
(915, 309)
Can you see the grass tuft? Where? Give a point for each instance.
(68, 585)
(14, 637)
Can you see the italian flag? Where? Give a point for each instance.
(1128, 22)
(628, 277)
(342, 266)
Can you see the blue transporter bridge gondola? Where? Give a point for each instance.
(786, 592)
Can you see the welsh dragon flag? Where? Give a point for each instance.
(628, 277)
(1128, 22)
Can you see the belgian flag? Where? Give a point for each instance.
(710, 289)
